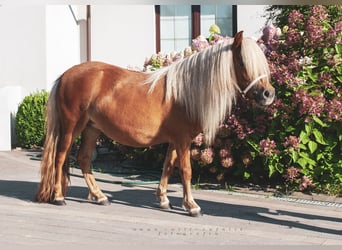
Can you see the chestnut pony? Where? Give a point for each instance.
(171, 105)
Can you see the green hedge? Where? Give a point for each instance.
(30, 120)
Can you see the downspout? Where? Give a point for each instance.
(85, 34)
(157, 27)
(88, 33)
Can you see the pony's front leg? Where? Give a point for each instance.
(189, 203)
(168, 166)
(89, 137)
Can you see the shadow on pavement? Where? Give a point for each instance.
(144, 198)
(22, 190)
(141, 198)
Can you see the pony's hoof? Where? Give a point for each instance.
(103, 202)
(59, 202)
(166, 205)
(195, 212)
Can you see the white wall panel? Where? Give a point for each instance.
(123, 35)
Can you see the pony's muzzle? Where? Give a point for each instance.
(265, 96)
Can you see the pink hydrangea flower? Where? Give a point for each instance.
(207, 155)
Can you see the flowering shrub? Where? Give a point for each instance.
(163, 59)
(296, 141)
(305, 121)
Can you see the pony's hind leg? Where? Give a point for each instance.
(168, 166)
(88, 143)
(61, 175)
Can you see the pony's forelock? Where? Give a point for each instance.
(254, 59)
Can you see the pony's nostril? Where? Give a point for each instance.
(266, 93)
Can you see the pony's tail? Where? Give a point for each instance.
(47, 167)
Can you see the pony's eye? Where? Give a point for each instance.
(242, 65)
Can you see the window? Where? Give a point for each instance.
(222, 15)
(177, 25)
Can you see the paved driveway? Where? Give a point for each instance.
(133, 218)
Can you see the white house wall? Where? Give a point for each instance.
(22, 61)
(250, 19)
(123, 35)
(62, 40)
(22, 47)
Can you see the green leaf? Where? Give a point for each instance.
(320, 156)
(294, 155)
(338, 48)
(311, 75)
(339, 78)
(246, 175)
(271, 169)
(254, 145)
(304, 137)
(308, 128)
(302, 162)
(290, 129)
(308, 160)
(319, 137)
(312, 146)
(319, 121)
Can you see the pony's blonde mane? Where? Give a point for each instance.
(205, 83)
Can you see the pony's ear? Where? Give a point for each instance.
(238, 40)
